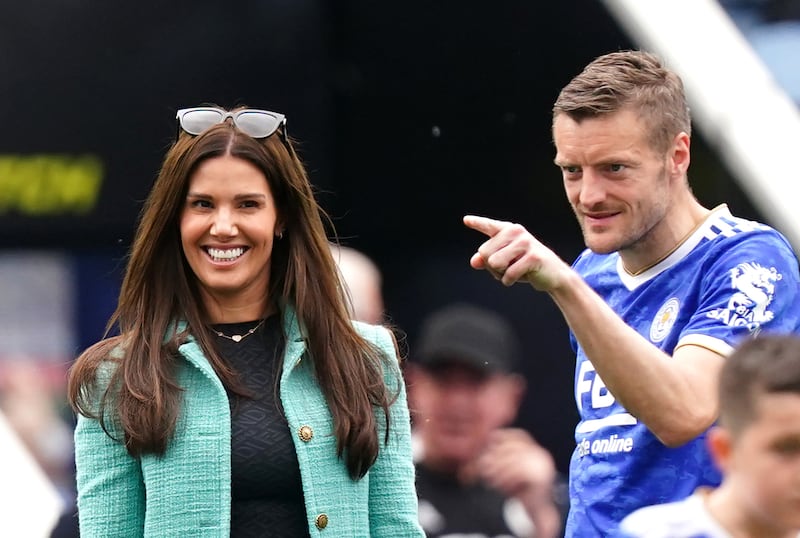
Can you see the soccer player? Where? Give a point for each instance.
(662, 294)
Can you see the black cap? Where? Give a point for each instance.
(468, 335)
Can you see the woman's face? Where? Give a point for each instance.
(228, 226)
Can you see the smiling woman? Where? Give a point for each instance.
(239, 398)
(227, 228)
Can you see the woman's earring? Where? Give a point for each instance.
(279, 235)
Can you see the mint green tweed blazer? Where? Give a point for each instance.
(186, 493)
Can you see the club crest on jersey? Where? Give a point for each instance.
(754, 287)
(664, 320)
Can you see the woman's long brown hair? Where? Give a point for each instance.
(142, 396)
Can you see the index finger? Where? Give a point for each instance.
(484, 225)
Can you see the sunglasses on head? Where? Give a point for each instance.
(251, 121)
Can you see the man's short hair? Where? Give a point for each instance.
(770, 364)
(629, 79)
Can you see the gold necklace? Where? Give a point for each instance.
(239, 337)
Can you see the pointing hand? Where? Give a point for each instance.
(512, 254)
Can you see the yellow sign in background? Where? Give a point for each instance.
(49, 185)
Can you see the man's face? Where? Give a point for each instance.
(456, 408)
(764, 465)
(617, 184)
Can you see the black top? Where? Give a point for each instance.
(266, 489)
(449, 508)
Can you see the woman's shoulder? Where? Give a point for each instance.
(108, 349)
(92, 373)
(99, 361)
(380, 336)
(373, 333)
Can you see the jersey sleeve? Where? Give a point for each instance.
(751, 285)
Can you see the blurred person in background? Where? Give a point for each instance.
(239, 399)
(476, 475)
(756, 445)
(663, 293)
(364, 282)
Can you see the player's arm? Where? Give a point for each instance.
(676, 397)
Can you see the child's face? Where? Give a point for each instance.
(764, 462)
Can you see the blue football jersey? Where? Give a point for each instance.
(730, 279)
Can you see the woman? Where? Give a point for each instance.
(239, 399)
